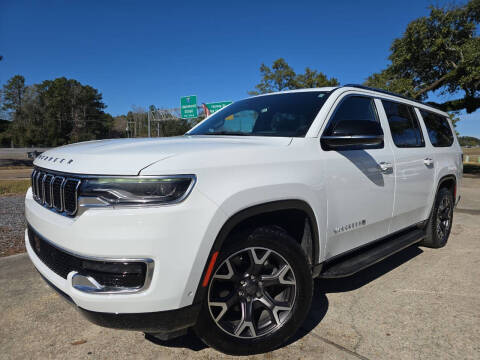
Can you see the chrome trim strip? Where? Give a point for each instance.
(87, 176)
(50, 190)
(150, 266)
(60, 193)
(71, 213)
(43, 188)
(37, 182)
(32, 179)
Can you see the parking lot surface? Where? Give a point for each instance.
(418, 304)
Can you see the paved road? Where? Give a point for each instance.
(419, 304)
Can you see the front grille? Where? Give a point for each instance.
(56, 192)
(106, 273)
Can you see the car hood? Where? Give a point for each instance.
(130, 156)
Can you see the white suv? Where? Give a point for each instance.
(224, 228)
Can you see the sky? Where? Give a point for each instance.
(138, 53)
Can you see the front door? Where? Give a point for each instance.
(359, 183)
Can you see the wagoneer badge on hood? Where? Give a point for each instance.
(54, 159)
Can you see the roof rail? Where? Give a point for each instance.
(393, 94)
(381, 91)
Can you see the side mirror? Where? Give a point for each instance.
(351, 134)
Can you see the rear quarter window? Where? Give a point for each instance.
(438, 128)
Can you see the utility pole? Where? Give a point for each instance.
(149, 114)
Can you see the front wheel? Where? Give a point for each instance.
(259, 294)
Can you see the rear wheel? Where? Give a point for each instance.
(259, 294)
(440, 222)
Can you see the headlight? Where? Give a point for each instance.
(138, 190)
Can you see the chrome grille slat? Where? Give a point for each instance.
(47, 185)
(70, 195)
(43, 187)
(58, 193)
(38, 184)
(55, 192)
(32, 178)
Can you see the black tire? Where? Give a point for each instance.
(270, 327)
(439, 224)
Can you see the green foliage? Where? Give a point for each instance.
(54, 112)
(282, 77)
(13, 93)
(439, 52)
(468, 141)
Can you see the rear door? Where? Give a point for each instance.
(359, 193)
(414, 166)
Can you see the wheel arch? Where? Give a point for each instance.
(243, 216)
(449, 181)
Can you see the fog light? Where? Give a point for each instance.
(112, 276)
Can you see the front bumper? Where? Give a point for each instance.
(163, 323)
(176, 238)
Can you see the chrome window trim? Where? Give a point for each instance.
(150, 266)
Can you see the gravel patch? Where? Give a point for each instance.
(12, 225)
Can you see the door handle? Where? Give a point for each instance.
(385, 167)
(427, 161)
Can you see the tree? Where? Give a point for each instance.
(54, 112)
(282, 77)
(468, 141)
(439, 52)
(13, 93)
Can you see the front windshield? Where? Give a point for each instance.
(287, 115)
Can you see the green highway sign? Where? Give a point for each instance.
(212, 107)
(188, 107)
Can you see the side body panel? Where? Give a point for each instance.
(447, 162)
(359, 195)
(414, 181)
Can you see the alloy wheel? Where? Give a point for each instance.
(444, 218)
(252, 293)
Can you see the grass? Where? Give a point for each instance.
(14, 187)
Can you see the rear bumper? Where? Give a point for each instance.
(162, 323)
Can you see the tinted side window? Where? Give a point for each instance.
(353, 108)
(438, 128)
(403, 124)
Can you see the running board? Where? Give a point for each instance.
(359, 259)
